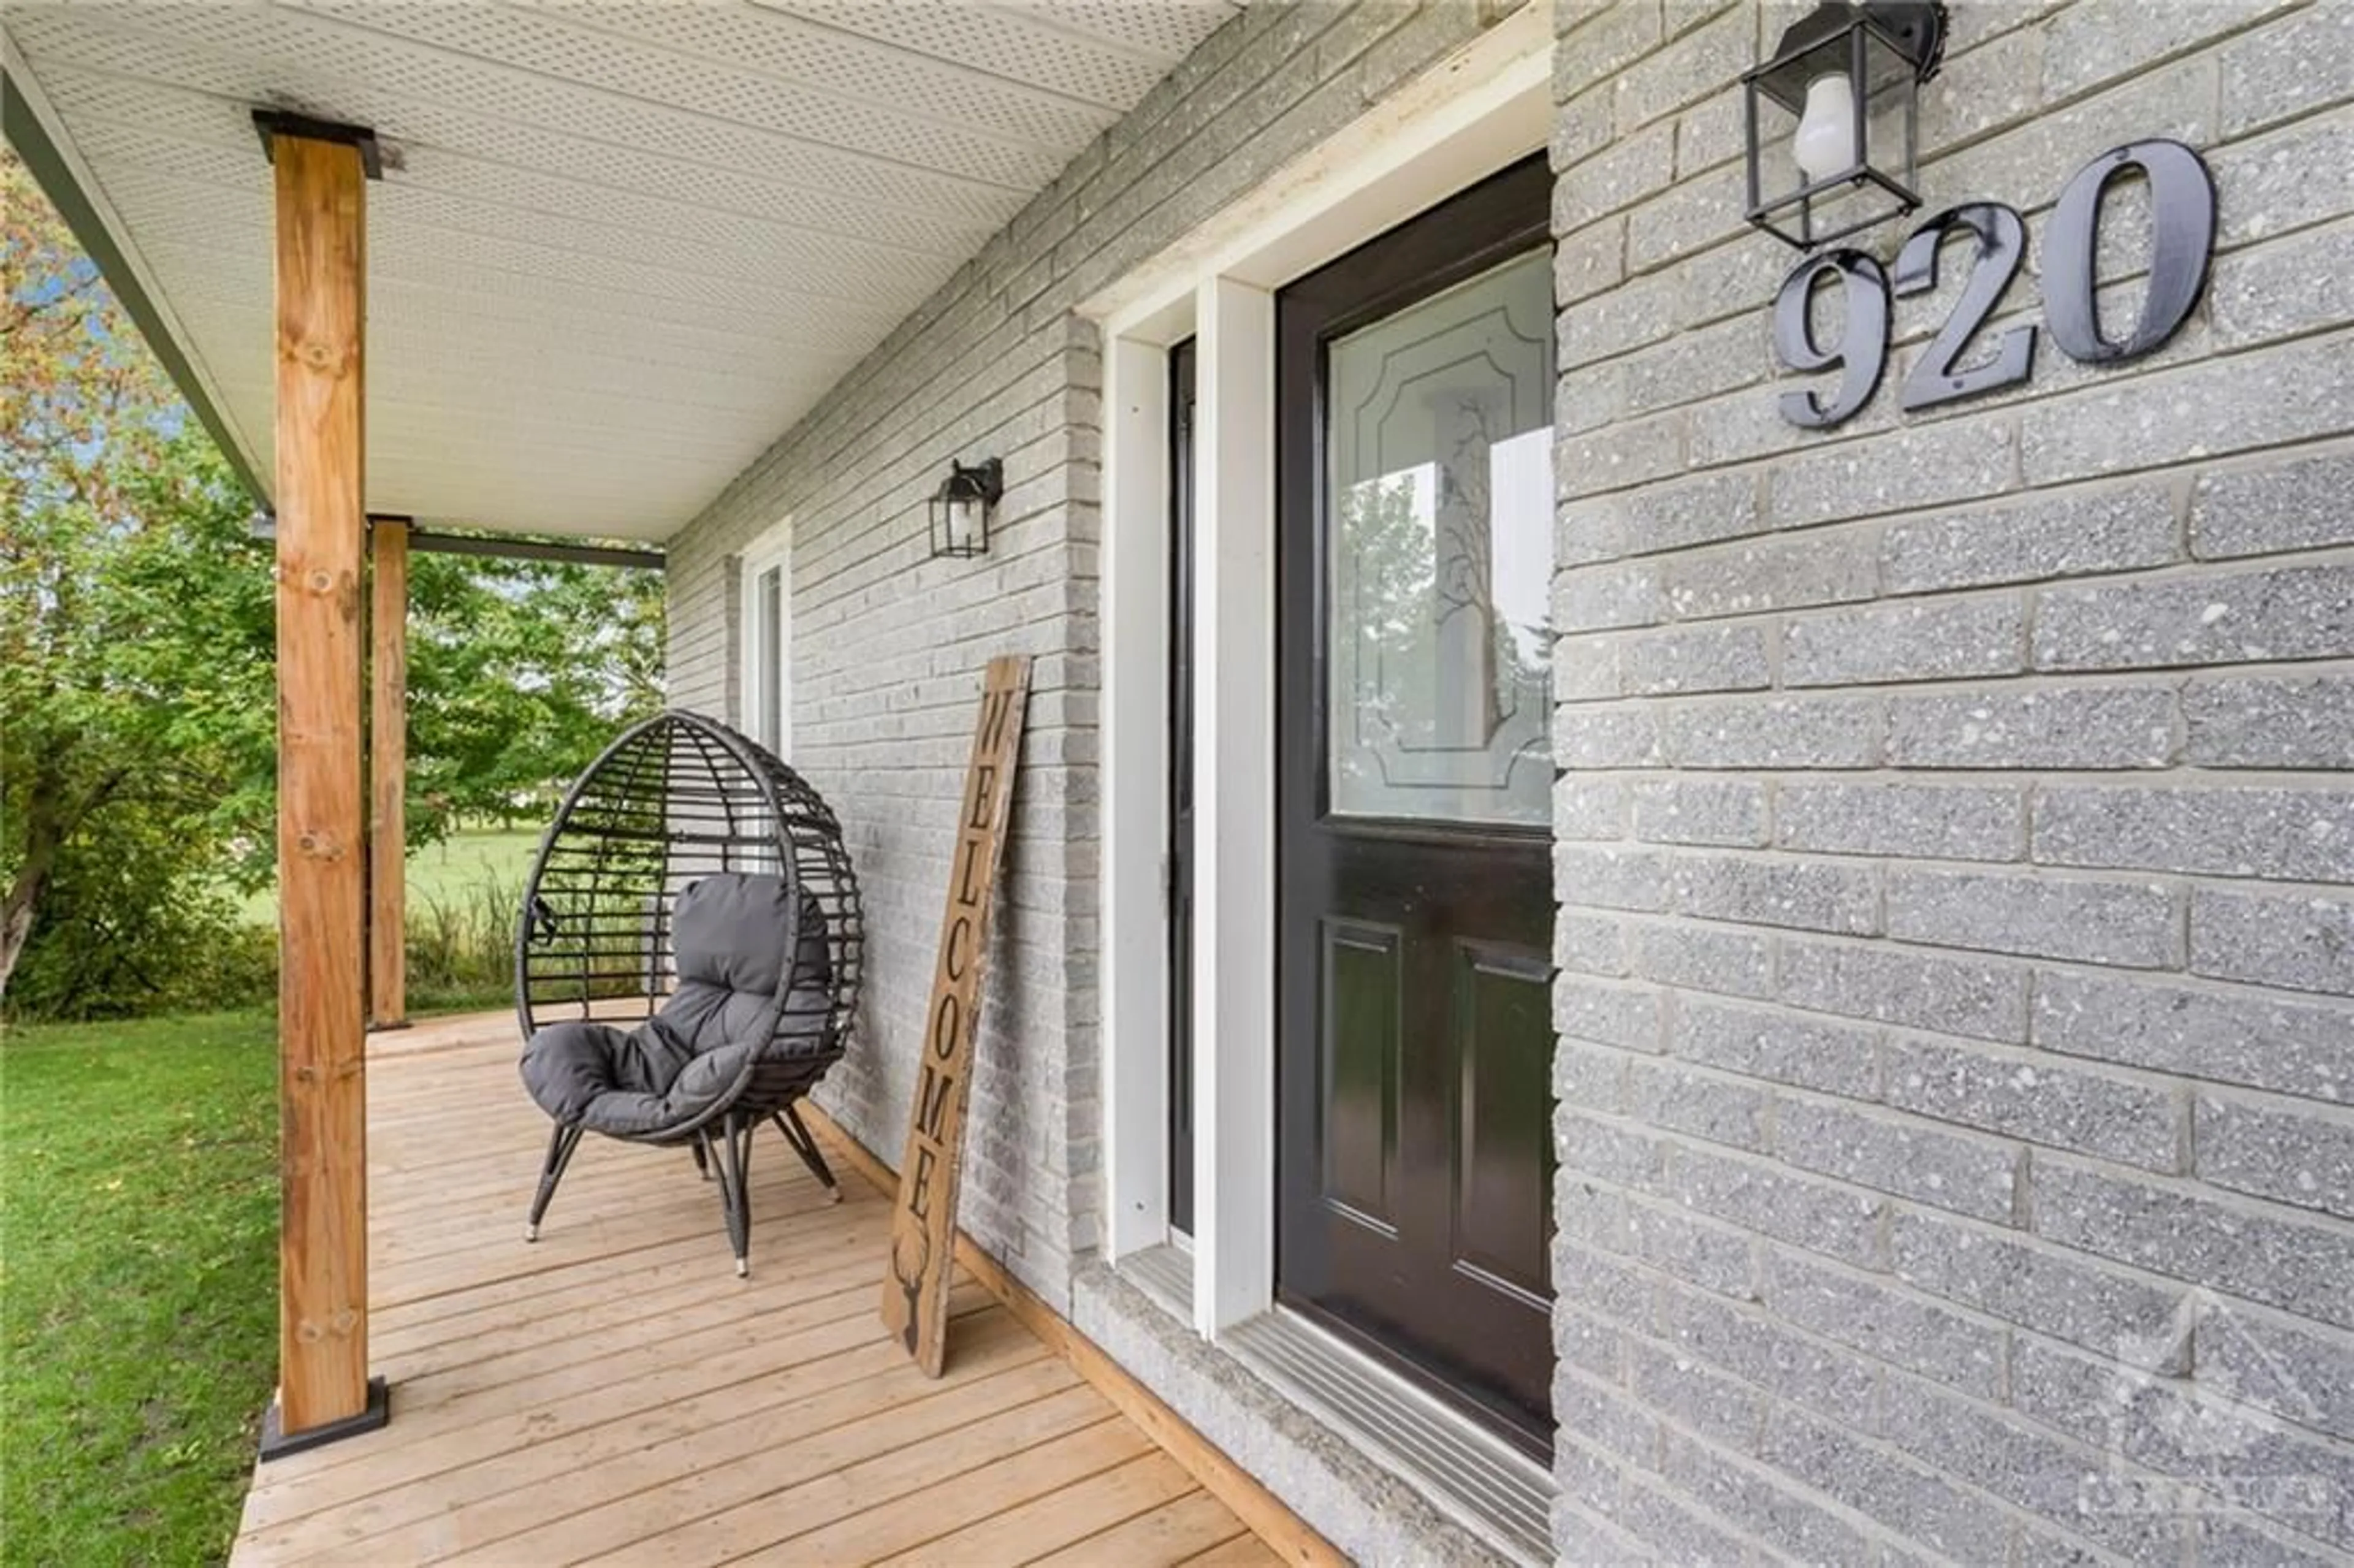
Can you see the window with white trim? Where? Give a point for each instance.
(767, 640)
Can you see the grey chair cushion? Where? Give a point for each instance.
(730, 934)
(630, 1083)
(730, 931)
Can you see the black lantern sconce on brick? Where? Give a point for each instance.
(1833, 118)
(962, 506)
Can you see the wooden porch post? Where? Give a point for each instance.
(323, 1388)
(388, 925)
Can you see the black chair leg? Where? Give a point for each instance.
(702, 1160)
(734, 1147)
(788, 1122)
(551, 1172)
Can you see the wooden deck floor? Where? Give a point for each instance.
(615, 1394)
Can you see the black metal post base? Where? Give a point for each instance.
(277, 1444)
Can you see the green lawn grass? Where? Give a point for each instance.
(447, 872)
(138, 1225)
(466, 860)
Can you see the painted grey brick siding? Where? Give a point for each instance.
(1957, 1128)
(888, 644)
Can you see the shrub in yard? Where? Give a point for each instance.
(122, 942)
(134, 923)
(461, 945)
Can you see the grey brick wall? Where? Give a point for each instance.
(888, 644)
(1957, 1122)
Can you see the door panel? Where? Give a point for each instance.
(1414, 906)
(1360, 1046)
(1503, 1221)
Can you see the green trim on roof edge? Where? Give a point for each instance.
(26, 134)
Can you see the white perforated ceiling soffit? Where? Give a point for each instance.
(621, 245)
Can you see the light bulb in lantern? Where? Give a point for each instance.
(964, 523)
(1825, 144)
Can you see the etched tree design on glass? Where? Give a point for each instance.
(1440, 555)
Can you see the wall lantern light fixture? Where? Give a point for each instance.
(960, 508)
(1833, 118)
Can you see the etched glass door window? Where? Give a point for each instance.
(1440, 495)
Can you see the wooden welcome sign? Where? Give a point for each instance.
(923, 1221)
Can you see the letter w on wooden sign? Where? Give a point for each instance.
(923, 1224)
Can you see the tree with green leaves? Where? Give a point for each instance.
(519, 671)
(137, 688)
(134, 612)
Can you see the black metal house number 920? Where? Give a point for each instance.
(2182, 210)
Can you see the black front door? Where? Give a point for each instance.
(1414, 418)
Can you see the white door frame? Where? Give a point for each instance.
(1473, 113)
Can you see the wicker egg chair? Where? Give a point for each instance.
(688, 956)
